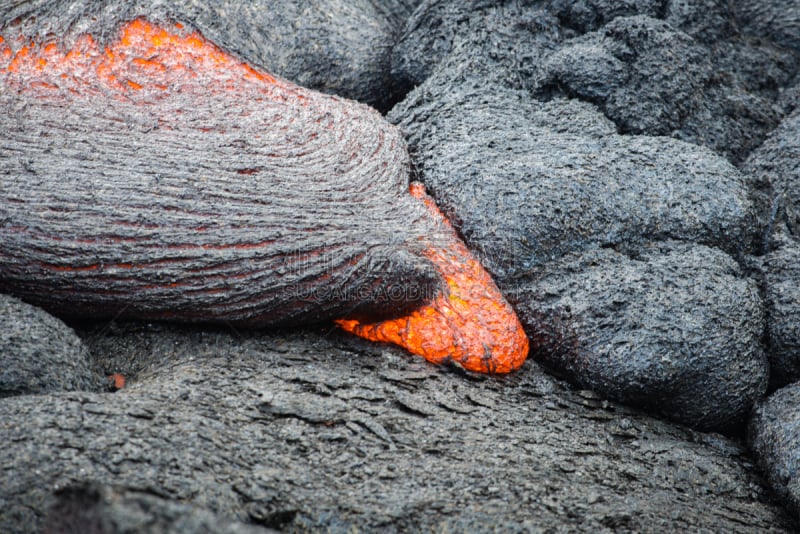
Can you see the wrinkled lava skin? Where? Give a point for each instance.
(469, 322)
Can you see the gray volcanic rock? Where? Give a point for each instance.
(708, 86)
(589, 15)
(776, 19)
(397, 12)
(705, 20)
(525, 182)
(651, 79)
(487, 38)
(92, 508)
(780, 277)
(774, 437)
(306, 432)
(671, 328)
(339, 47)
(774, 170)
(39, 353)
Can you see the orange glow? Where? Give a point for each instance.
(469, 323)
(116, 381)
(145, 62)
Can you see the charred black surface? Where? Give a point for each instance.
(206, 204)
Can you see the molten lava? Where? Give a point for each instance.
(469, 323)
(147, 62)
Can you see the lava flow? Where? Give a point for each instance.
(469, 323)
(147, 62)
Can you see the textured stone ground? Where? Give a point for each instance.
(626, 170)
(316, 430)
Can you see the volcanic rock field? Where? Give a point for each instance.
(628, 173)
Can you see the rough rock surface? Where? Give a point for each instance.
(39, 353)
(708, 87)
(96, 509)
(526, 182)
(651, 79)
(779, 271)
(705, 20)
(303, 431)
(773, 170)
(483, 37)
(589, 15)
(774, 437)
(315, 431)
(778, 19)
(671, 328)
(529, 176)
(340, 47)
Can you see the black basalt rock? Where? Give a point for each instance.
(774, 172)
(774, 437)
(650, 78)
(778, 20)
(551, 178)
(39, 353)
(779, 272)
(306, 432)
(638, 233)
(680, 69)
(671, 328)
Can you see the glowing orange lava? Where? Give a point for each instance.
(145, 62)
(469, 323)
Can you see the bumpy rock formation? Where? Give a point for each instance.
(95, 508)
(620, 251)
(774, 436)
(773, 170)
(709, 86)
(551, 178)
(635, 323)
(39, 353)
(671, 328)
(779, 271)
(777, 19)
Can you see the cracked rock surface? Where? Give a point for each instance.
(302, 431)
